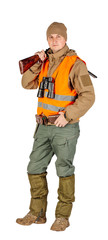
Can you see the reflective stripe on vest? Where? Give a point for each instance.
(50, 107)
(64, 96)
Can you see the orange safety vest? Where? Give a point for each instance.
(64, 96)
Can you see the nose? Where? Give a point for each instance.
(54, 41)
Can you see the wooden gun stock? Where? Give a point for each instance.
(26, 63)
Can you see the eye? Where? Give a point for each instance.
(51, 37)
(58, 36)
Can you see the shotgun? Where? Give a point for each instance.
(26, 63)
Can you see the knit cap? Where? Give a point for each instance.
(57, 28)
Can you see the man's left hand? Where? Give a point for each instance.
(61, 120)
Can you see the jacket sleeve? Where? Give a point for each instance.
(30, 78)
(79, 79)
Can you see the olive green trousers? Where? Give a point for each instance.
(50, 140)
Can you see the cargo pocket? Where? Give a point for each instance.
(61, 142)
(59, 147)
(71, 147)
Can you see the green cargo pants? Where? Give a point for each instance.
(50, 140)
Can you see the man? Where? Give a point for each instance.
(64, 76)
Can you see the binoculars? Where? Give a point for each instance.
(47, 83)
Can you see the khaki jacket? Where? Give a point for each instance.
(78, 79)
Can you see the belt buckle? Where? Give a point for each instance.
(45, 120)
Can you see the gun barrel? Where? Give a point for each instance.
(92, 74)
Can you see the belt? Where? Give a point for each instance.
(42, 119)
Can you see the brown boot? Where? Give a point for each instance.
(30, 218)
(60, 224)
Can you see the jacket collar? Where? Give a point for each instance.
(58, 54)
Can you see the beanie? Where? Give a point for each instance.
(57, 28)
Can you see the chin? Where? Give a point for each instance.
(56, 49)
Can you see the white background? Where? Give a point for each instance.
(23, 32)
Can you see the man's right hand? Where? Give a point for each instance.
(41, 55)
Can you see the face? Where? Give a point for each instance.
(56, 42)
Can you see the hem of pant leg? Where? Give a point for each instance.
(41, 173)
(67, 177)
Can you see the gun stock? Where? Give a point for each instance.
(26, 63)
